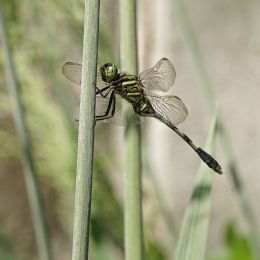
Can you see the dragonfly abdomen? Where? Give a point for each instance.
(207, 158)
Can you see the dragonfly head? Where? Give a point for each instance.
(108, 72)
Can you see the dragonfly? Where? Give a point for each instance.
(116, 90)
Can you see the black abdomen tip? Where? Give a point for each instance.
(209, 160)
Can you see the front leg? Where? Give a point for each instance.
(111, 104)
(100, 91)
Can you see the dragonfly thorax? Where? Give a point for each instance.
(109, 72)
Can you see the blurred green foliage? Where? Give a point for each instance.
(153, 251)
(236, 245)
(5, 249)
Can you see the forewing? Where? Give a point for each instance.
(161, 77)
(72, 71)
(169, 107)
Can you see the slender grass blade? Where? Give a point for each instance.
(191, 244)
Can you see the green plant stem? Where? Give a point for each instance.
(196, 55)
(194, 230)
(132, 179)
(86, 132)
(33, 191)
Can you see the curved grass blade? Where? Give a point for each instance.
(193, 236)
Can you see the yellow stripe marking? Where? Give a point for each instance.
(130, 82)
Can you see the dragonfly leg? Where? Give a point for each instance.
(100, 91)
(110, 88)
(110, 104)
(114, 107)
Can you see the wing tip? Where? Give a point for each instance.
(68, 63)
(165, 59)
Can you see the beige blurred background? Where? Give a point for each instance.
(227, 34)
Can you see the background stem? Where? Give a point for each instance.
(132, 181)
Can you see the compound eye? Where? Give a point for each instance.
(114, 71)
(103, 73)
(108, 72)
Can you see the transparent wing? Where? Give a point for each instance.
(72, 71)
(169, 107)
(161, 77)
(123, 114)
